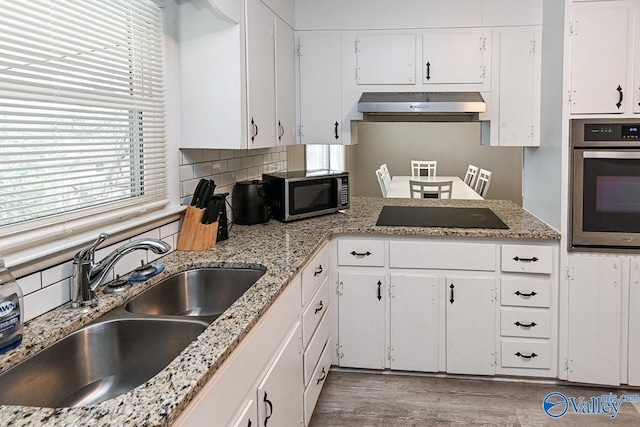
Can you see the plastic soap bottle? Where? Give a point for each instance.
(10, 311)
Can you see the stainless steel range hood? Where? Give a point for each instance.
(421, 106)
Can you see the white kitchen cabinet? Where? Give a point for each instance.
(594, 319)
(280, 394)
(320, 87)
(362, 320)
(455, 57)
(515, 88)
(414, 319)
(386, 59)
(634, 324)
(248, 416)
(285, 84)
(261, 74)
(471, 325)
(600, 57)
(636, 77)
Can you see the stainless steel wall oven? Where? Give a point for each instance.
(605, 184)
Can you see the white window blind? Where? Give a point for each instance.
(82, 118)
(319, 156)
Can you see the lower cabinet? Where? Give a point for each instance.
(634, 324)
(471, 325)
(361, 329)
(414, 320)
(248, 415)
(280, 391)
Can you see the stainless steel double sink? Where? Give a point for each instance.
(128, 345)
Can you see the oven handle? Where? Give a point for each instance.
(611, 155)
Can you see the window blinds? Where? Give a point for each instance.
(82, 119)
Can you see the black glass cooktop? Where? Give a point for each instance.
(439, 216)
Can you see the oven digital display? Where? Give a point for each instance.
(630, 132)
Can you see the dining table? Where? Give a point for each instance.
(399, 187)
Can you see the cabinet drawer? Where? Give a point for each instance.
(363, 253)
(525, 323)
(443, 255)
(314, 273)
(312, 392)
(526, 354)
(314, 349)
(314, 312)
(527, 259)
(525, 292)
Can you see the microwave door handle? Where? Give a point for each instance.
(339, 192)
(611, 155)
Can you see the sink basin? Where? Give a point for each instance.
(204, 292)
(97, 362)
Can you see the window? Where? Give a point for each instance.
(324, 157)
(82, 131)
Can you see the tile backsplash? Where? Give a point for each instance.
(50, 288)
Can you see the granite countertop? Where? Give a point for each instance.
(283, 249)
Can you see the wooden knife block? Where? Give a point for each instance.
(194, 235)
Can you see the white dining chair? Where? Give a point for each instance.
(386, 175)
(383, 186)
(420, 166)
(430, 190)
(470, 177)
(484, 180)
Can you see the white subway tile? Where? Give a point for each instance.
(227, 154)
(234, 165)
(30, 283)
(169, 229)
(210, 154)
(191, 156)
(201, 170)
(55, 274)
(46, 299)
(151, 234)
(186, 172)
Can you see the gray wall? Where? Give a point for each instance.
(453, 145)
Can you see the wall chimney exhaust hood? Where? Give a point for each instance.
(421, 106)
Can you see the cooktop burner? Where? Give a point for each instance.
(439, 216)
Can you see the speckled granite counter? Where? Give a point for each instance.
(283, 249)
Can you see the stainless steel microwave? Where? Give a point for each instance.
(605, 184)
(303, 194)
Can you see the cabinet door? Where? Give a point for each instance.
(285, 84)
(471, 325)
(634, 324)
(636, 78)
(361, 320)
(519, 88)
(248, 415)
(414, 323)
(453, 57)
(260, 75)
(386, 59)
(280, 393)
(320, 80)
(594, 319)
(598, 59)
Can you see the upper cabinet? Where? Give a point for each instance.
(455, 57)
(602, 57)
(320, 86)
(388, 59)
(515, 95)
(236, 81)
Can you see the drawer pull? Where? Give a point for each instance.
(318, 271)
(360, 254)
(534, 259)
(451, 299)
(268, 402)
(524, 356)
(324, 375)
(524, 325)
(379, 290)
(318, 308)
(520, 294)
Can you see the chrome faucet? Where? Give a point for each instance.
(88, 274)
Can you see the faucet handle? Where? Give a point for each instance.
(88, 253)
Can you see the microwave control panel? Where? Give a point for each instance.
(344, 199)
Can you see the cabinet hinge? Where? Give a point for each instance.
(494, 358)
(355, 46)
(573, 28)
(567, 272)
(339, 288)
(483, 72)
(355, 72)
(566, 365)
(299, 49)
(532, 133)
(483, 43)
(300, 134)
(338, 355)
(533, 47)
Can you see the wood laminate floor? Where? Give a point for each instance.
(355, 399)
